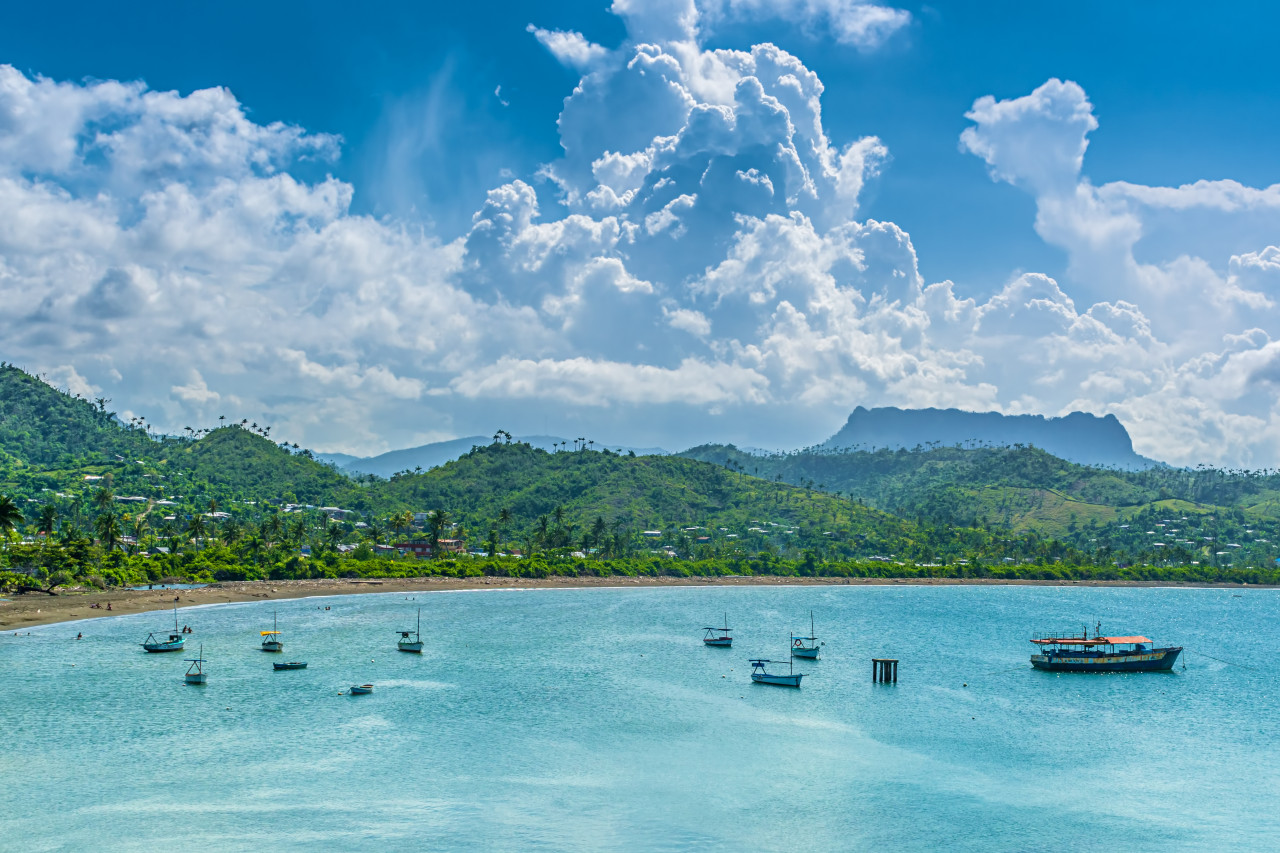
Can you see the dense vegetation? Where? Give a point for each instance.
(1159, 515)
(87, 499)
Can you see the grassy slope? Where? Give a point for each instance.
(640, 493)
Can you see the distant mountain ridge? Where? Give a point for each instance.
(428, 456)
(1077, 437)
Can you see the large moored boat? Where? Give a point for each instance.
(1102, 654)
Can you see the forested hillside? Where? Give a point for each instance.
(84, 495)
(1110, 513)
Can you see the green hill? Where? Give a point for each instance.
(683, 499)
(1113, 514)
(42, 426)
(74, 458)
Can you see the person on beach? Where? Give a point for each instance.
(108, 605)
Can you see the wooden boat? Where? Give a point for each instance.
(293, 664)
(415, 645)
(271, 641)
(760, 675)
(195, 672)
(175, 642)
(805, 647)
(360, 689)
(719, 637)
(1102, 654)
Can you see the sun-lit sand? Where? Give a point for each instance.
(26, 611)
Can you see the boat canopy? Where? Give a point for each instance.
(268, 633)
(1095, 641)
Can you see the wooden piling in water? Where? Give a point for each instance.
(884, 670)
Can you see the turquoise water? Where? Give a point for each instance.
(595, 719)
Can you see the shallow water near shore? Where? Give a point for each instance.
(587, 719)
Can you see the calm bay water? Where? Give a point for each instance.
(595, 719)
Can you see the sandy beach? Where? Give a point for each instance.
(18, 612)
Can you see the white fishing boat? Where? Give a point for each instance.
(195, 672)
(175, 642)
(760, 675)
(271, 641)
(806, 647)
(412, 645)
(359, 689)
(719, 637)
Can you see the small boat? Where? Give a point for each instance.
(195, 672)
(271, 641)
(360, 689)
(760, 675)
(1101, 654)
(293, 664)
(414, 645)
(806, 647)
(719, 636)
(175, 642)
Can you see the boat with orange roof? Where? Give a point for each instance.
(1101, 653)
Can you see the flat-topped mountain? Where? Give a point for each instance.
(1078, 437)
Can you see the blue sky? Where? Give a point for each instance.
(411, 115)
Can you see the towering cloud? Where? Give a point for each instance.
(692, 266)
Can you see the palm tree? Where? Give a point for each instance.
(48, 519)
(333, 535)
(558, 515)
(493, 541)
(273, 527)
(298, 530)
(10, 517)
(232, 532)
(104, 498)
(598, 530)
(402, 521)
(439, 521)
(108, 528)
(375, 533)
(541, 535)
(140, 527)
(196, 528)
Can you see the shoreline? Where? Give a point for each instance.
(36, 609)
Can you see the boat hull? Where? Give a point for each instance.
(719, 642)
(1156, 660)
(161, 647)
(361, 689)
(273, 647)
(197, 678)
(807, 654)
(290, 665)
(409, 647)
(778, 680)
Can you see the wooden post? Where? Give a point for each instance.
(884, 670)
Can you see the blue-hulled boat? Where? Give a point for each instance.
(175, 642)
(271, 641)
(195, 672)
(805, 647)
(1102, 654)
(415, 645)
(359, 689)
(760, 675)
(293, 664)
